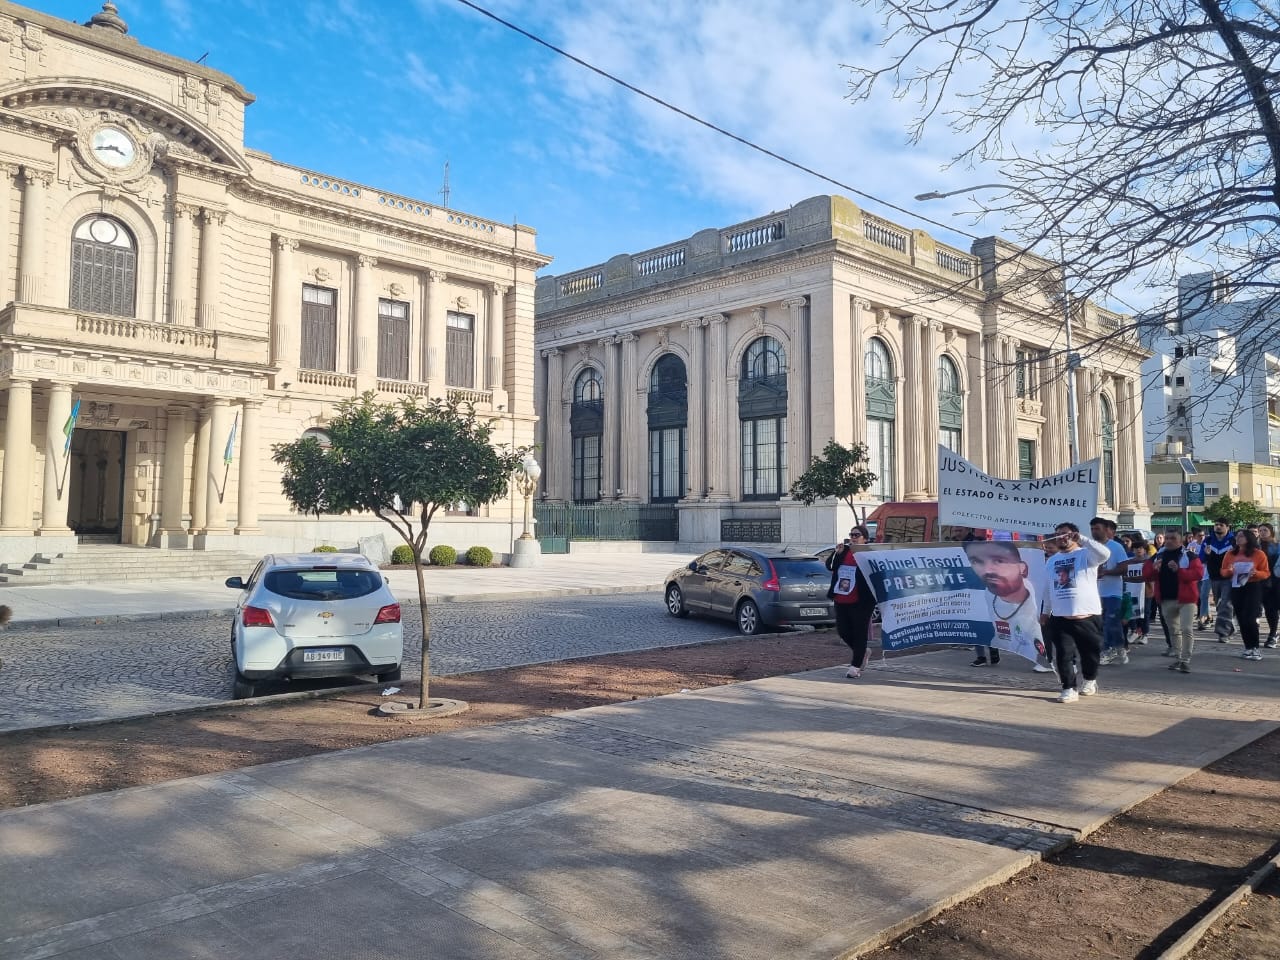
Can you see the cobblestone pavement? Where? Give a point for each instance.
(75, 674)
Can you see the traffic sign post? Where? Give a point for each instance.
(1188, 470)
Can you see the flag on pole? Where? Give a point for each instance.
(229, 452)
(69, 427)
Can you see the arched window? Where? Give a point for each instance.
(764, 359)
(1108, 451)
(104, 267)
(950, 406)
(668, 419)
(762, 410)
(586, 424)
(882, 410)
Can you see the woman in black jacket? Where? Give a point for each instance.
(855, 603)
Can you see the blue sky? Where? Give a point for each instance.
(383, 93)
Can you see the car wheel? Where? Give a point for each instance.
(675, 602)
(749, 622)
(389, 676)
(242, 688)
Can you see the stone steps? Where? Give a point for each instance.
(103, 564)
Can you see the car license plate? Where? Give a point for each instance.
(322, 656)
(813, 611)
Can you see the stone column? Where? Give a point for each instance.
(930, 351)
(286, 319)
(1010, 449)
(720, 437)
(200, 471)
(211, 222)
(1137, 449)
(697, 429)
(633, 433)
(555, 461)
(31, 252)
(857, 368)
(180, 312)
(1124, 423)
(977, 401)
(917, 487)
(365, 333)
(1055, 419)
(173, 487)
(436, 340)
(997, 414)
(799, 412)
(494, 341)
(217, 470)
(1089, 422)
(247, 503)
(610, 440)
(53, 507)
(15, 486)
(7, 173)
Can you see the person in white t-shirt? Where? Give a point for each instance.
(1074, 624)
(1115, 646)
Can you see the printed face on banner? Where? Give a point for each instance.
(980, 592)
(1064, 573)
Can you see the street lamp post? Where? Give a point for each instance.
(1073, 437)
(526, 551)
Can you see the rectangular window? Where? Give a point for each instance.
(1170, 494)
(1020, 373)
(1026, 459)
(393, 339)
(1179, 381)
(1108, 477)
(1212, 490)
(460, 351)
(667, 472)
(319, 328)
(764, 458)
(880, 456)
(951, 438)
(586, 468)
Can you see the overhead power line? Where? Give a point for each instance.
(708, 124)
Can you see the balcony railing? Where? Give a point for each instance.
(328, 379)
(405, 388)
(474, 397)
(607, 521)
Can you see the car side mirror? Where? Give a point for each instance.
(235, 583)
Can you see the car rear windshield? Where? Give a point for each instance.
(322, 584)
(808, 567)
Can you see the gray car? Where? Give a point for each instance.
(755, 589)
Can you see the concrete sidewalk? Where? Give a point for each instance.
(802, 817)
(558, 576)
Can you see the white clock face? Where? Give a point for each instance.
(113, 147)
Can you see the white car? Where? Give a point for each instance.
(314, 615)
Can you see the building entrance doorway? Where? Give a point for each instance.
(95, 502)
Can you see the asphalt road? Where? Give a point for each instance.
(75, 674)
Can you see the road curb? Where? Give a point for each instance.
(201, 614)
(1191, 939)
(278, 698)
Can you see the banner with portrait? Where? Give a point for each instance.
(979, 592)
(970, 498)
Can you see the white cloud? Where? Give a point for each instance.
(179, 11)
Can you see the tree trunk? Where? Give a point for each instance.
(426, 631)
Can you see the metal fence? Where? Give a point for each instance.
(606, 521)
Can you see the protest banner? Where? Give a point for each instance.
(979, 592)
(970, 498)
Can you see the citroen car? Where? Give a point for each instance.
(755, 589)
(314, 615)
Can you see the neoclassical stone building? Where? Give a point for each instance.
(706, 373)
(201, 301)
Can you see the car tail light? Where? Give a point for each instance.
(388, 614)
(772, 583)
(256, 617)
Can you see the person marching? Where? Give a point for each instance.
(854, 600)
(1271, 586)
(1175, 574)
(1247, 567)
(1215, 548)
(1074, 623)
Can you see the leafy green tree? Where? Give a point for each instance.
(402, 462)
(840, 472)
(1235, 513)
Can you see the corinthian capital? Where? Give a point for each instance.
(285, 244)
(366, 261)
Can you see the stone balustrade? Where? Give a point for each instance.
(328, 379)
(404, 388)
(477, 398)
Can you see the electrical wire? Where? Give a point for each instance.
(709, 125)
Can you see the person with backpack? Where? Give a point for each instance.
(1216, 546)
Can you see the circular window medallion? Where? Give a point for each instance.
(104, 231)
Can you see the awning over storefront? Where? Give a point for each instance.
(1175, 520)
